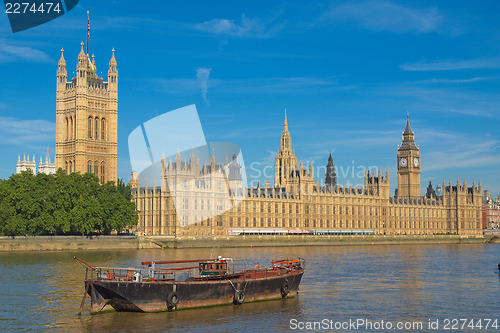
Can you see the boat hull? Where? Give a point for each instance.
(154, 296)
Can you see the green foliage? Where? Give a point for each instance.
(63, 204)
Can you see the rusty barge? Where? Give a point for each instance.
(183, 284)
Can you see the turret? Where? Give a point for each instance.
(113, 73)
(62, 74)
(163, 174)
(81, 69)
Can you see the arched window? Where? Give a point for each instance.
(67, 129)
(96, 168)
(89, 127)
(66, 165)
(71, 128)
(102, 172)
(103, 129)
(89, 166)
(70, 166)
(96, 129)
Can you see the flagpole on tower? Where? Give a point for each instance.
(88, 32)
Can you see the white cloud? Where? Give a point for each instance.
(14, 131)
(248, 27)
(12, 53)
(386, 16)
(443, 99)
(474, 155)
(202, 75)
(276, 85)
(175, 86)
(447, 65)
(457, 81)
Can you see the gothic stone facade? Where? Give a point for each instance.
(87, 119)
(296, 202)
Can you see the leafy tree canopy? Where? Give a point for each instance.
(63, 204)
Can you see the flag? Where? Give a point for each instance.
(88, 31)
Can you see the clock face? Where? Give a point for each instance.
(415, 162)
(403, 162)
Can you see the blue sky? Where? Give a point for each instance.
(347, 73)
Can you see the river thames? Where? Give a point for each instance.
(373, 286)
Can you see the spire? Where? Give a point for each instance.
(112, 62)
(178, 159)
(62, 61)
(330, 159)
(408, 137)
(19, 158)
(286, 122)
(81, 55)
(408, 127)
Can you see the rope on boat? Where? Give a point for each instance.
(231, 282)
(244, 288)
(87, 285)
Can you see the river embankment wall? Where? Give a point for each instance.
(61, 243)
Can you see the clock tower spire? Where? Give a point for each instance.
(408, 159)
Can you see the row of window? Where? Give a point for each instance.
(328, 210)
(314, 223)
(96, 128)
(98, 169)
(69, 166)
(93, 128)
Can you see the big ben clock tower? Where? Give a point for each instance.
(408, 165)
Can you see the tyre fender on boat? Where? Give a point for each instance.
(239, 297)
(285, 289)
(172, 299)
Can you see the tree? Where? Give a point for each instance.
(63, 204)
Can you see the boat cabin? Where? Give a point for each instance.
(213, 268)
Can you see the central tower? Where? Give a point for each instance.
(408, 160)
(286, 162)
(87, 119)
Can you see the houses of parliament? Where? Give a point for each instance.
(210, 200)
